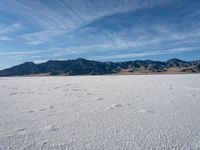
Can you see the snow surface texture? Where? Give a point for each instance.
(100, 112)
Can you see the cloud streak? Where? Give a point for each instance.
(11, 28)
(25, 52)
(5, 31)
(148, 53)
(59, 17)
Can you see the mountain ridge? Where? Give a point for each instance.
(83, 66)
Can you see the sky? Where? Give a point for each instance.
(103, 30)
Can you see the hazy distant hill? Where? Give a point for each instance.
(88, 67)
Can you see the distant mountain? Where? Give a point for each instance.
(82, 66)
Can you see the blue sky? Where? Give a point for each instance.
(105, 30)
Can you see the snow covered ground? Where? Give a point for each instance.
(100, 112)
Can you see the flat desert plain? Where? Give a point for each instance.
(100, 112)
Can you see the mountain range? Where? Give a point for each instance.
(82, 66)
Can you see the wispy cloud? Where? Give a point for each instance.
(58, 17)
(40, 37)
(164, 38)
(11, 28)
(25, 52)
(6, 30)
(4, 38)
(148, 53)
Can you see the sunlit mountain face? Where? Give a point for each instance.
(103, 30)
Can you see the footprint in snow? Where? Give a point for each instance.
(28, 112)
(116, 105)
(113, 106)
(43, 109)
(51, 107)
(77, 90)
(51, 128)
(147, 111)
(68, 84)
(108, 108)
(99, 99)
(44, 143)
(13, 93)
(20, 130)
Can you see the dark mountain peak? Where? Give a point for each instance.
(81, 59)
(28, 63)
(26, 68)
(176, 60)
(177, 63)
(51, 61)
(83, 66)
